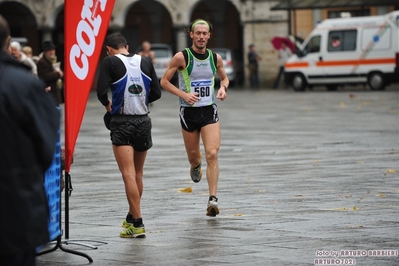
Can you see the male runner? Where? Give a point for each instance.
(134, 84)
(196, 68)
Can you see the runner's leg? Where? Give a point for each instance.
(211, 139)
(192, 144)
(139, 159)
(124, 156)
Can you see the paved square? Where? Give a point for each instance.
(301, 175)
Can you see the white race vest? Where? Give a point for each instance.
(130, 94)
(198, 77)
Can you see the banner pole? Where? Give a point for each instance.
(59, 243)
(68, 192)
(53, 175)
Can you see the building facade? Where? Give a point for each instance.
(237, 23)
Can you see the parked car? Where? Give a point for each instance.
(163, 56)
(229, 63)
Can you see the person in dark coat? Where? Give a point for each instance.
(48, 73)
(29, 123)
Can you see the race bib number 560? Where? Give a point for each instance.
(204, 91)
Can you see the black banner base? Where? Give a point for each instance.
(59, 245)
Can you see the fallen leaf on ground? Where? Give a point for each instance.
(342, 104)
(340, 209)
(187, 189)
(381, 195)
(392, 171)
(238, 214)
(351, 96)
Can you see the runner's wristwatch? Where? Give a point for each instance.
(225, 87)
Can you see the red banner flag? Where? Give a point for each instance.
(86, 24)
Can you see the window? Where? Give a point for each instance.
(343, 40)
(313, 46)
(349, 13)
(160, 52)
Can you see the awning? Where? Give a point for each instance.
(316, 4)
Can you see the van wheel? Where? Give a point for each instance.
(298, 82)
(376, 81)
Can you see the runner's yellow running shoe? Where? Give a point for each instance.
(133, 232)
(125, 224)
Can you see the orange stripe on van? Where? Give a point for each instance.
(343, 62)
(357, 62)
(297, 64)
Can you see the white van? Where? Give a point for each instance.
(348, 51)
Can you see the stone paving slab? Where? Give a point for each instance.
(300, 173)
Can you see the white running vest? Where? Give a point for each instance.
(198, 77)
(130, 94)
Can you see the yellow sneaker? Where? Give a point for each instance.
(133, 232)
(125, 224)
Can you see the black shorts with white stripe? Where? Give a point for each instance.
(194, 118)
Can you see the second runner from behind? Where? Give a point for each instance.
(134, 84)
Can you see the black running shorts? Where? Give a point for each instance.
(131, 130)
(194, 118)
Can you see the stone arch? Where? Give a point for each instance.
(22, 22)
(148, 20)
(54, 18)
(227, 27)
(57, 34)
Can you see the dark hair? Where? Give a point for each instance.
(4, 32)
(192, 24)
(116, 41)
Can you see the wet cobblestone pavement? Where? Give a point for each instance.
(302, 176)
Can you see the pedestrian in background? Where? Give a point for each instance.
(253, 58)
(29, 53)
(48, 69)
(196, 68)
(20, 56)
(283, 54)
(147, 52)
(29, 130)
(134, 84)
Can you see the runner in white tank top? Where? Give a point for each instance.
(198, 111)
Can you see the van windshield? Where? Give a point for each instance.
(313, 46)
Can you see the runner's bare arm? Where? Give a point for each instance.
(224, 81)
(176, 64)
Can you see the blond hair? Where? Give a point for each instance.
(27, 50)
